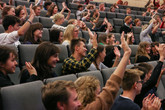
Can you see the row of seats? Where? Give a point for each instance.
(28, 96)
(26, 53)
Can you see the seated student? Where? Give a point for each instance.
(112, 53)
(12, 29)
(97, 63)
(37, 10)
(142, 54)
(58, 19)
(47, 5)
(21, 13)
(73, 21)
(127, 27)
(56, 36)
(34, 34)
(125, 3)
(8, 10)
(146, 30)
(151, 79)
(112, 9)
(60, 95)
(96, 15)
(54, 92)
(77, 62)
(80, 11)
(88, 88)
(103, 39)
(132, 85)
(45, 58)
(70, 33)
(7, 65)
(101, 7)
(137, 22)
(112, 39)
(53, 9)
(128, 11)
(130, 38)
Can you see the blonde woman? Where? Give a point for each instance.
(142, 54)
(146, 30)
(88, 87)
(70, 33)
(58, 19)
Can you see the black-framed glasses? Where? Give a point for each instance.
(140, 81)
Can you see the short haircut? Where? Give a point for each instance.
(127, 18)
(5, 53)
(56, 91)
(34, 7)
(146, 66)
(57, 16)
(10, 20)
(143, 69)
(130, 77)
(75, 42)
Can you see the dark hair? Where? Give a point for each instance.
(5, 53)
(144, 70)
(54, 35)
(146, 66)
(10, 20)
(75, 42)
(43, 52)
(47, 3)
(5, 10)
(50, 10)
(56, 91)
(18, 10)
(102, 38)
(100, 48)
(79, 6)
(29, 35)
(34, 7)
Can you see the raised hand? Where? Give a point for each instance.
(30, 69)
(94, 41)
(124, 44)
(117, 52)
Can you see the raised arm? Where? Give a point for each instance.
(27, 24)
(124, 61)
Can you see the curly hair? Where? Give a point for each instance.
(86, 89)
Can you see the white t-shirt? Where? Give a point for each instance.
(65, 42)
(9, 38)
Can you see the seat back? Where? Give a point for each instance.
(70, 77)
(22, 97)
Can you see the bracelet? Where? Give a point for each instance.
(29, 21)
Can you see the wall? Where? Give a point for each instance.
(137, 3)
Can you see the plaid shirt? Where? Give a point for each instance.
(71, 65)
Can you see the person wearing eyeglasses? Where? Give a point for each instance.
(132, 85)
(151, 79)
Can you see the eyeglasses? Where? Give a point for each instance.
(140, 81)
